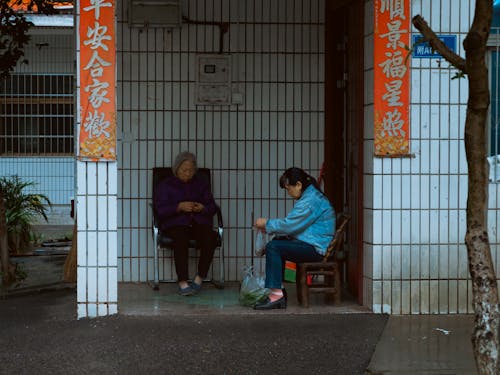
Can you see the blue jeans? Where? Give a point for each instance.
(280, 250)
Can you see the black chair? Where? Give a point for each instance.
(163, 242)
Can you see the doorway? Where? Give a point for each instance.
(344, 88)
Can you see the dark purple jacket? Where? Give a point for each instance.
(171, 191)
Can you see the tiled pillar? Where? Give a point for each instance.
(97, 239)
(369, 253)
(96, 165)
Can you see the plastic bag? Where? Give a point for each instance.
(252, 288)
(260, 243)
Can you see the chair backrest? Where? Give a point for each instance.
(338, 239)
(160, 173)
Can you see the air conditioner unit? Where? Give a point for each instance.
(155, 13)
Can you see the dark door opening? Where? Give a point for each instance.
(344, 88)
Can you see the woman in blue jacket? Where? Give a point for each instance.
(303, 236)
(185, 209)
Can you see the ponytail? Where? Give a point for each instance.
(294, 175)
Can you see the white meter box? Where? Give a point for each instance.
(213, 79)
(154, 13)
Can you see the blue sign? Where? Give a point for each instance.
(424, 50)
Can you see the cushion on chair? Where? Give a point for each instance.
(165, 241)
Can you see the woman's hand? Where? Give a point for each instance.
(260, 223)
(190, 207)
(185, 206)
(198, 207)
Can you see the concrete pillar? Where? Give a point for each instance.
(97, 268)
(96, 165)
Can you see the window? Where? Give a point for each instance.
(494, 118)
(37, 115)
(494, 71)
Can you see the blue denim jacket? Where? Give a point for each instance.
(311, 220)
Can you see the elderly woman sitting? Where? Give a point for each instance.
(185, 208)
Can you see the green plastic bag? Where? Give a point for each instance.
(252, 288)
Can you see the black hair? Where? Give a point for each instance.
(294, 175)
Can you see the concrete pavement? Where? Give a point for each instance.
(212, 334)
(425, 345)
(41, 335)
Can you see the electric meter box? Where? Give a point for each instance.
(213, 79)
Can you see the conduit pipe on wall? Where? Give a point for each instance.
(223, 28)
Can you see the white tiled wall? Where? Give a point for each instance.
(416, 260)
(277, 51)
(97, 269)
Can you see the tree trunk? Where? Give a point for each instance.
(8, 269)
(485, 339)
(484, 283)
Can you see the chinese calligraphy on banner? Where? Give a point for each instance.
(97, 136)
(391, 77)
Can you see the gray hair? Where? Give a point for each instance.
(181, 158)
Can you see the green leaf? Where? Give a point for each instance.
(22, 207)
(459, 74)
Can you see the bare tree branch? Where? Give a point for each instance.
(438, 45)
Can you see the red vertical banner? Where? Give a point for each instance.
(97, 135)
(391, 77)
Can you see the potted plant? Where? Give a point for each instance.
(21, 210)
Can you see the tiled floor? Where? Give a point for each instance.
(141, 299)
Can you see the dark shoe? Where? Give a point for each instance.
(196, 287)
(268, 305)
(285, 294)
(187, 291)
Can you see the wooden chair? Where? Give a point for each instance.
(163, 242)
(327, 271)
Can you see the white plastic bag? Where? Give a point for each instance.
(252, 288)
(260, 243)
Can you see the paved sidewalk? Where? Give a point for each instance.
(163, 332)
(40, 335)
(425, 345)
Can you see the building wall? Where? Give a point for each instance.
(415, 219)
(50, 51)
(277, 52)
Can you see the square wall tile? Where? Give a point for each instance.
(434, 296)
(415, 296)
(378, 260)
(425, 297)
(387, 297)
(377, 297)
(396, 291)
(92, 285)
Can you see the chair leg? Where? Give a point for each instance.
(156, 285)
(338, 285)
(329, 282)
(304, 288)
(221, 265)
(297, 284)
